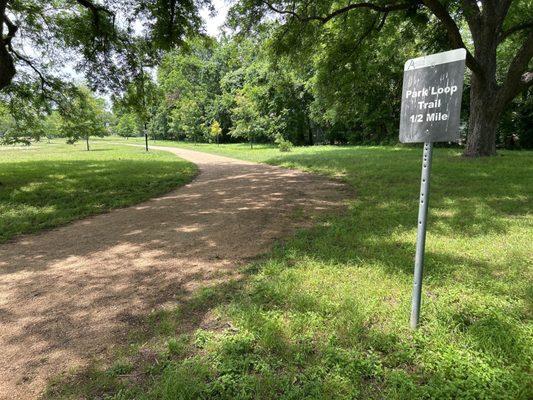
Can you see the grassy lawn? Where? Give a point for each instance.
(325, 315)
(47, 185)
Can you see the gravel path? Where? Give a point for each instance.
(69, 295)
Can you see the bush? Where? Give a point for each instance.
(284, 145)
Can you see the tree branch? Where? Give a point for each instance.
(47, 87)
(325, 18)
(517, 78)
(372, 26)
(29, 63)
(95, 10)
(11, 31)
(383, 18)
(471, 6)
(454, 34)
(502, 9)
(519, 27)
(7, 66)
(472, 15)
(434, 5)
(3, 5)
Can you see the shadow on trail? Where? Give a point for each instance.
(304, 325)
(75, 291)
(41, 194)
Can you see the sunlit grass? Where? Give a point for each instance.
(46, 185)
(325, 315)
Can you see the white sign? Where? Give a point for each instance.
(431, 97)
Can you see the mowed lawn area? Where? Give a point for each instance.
(325, 314)
(46, 185)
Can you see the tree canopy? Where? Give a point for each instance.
(100, 38)
(498, 37)
(326, 71)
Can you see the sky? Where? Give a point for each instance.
(213, 23)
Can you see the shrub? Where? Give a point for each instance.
(284, 145)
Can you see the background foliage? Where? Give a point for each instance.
(338, 84)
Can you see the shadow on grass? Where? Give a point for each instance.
(296, 345)
(90, 281)
(155, 341)
(42, 194)
(326, 316)
(471, 201)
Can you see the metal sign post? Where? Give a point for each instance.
(431, 106)
(421, 233)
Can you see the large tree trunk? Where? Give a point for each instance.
(485, 109)
(7, 68)
(485, 112)
(487, 98)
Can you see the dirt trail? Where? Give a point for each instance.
(70, 294)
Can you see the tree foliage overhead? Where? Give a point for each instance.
(110, 43)
(99, 35)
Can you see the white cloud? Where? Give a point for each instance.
(213, 23)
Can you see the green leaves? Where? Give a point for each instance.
(84, 118)
(127, 125)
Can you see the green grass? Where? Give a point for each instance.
(47, 185)
(325, 315)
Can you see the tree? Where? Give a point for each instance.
(215, 131)
(140, 98)
(92, 29)
(187, 118)
(247, 122)
(489, 25)
(127, 125)
(141, 95)
(86, 117)
(52, 125)
(189, 82)
(159, 127)
(23, 119)
(250, 123)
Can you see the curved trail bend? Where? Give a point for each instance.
(69, 295)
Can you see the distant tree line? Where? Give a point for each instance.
(82, 116)
(497, 36)
(257, 89)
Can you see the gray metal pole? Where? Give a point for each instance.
(421, 234)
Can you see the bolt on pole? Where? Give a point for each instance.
(421, 234)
